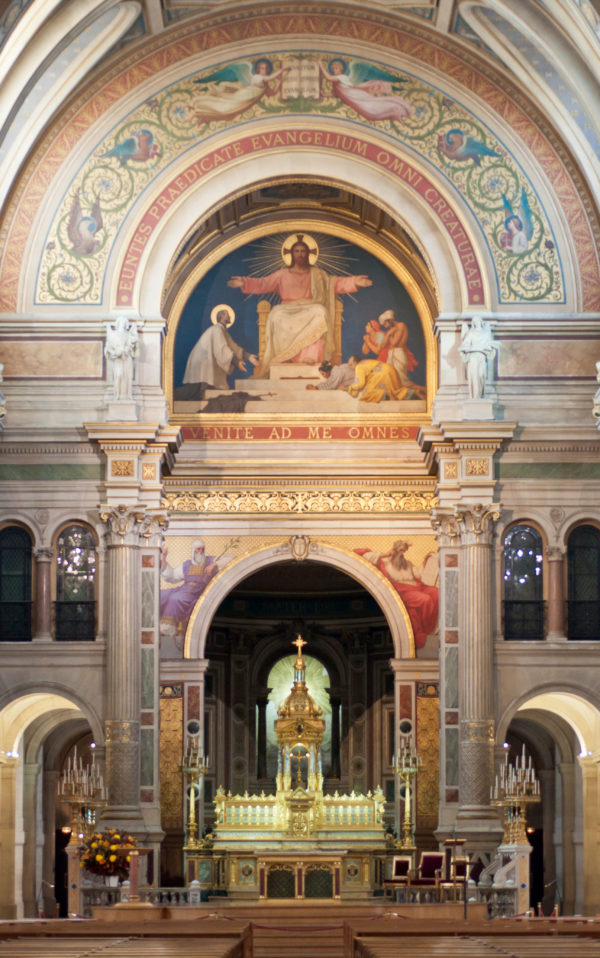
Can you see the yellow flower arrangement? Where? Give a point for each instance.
(105, 853)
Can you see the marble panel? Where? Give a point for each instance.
(451, 675)
(548, 357)
(147, 757)
(52, 359)
(451, 598)
(147, 678)
(451, 740)
(148, 598)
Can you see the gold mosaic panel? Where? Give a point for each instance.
(428, 737)
(171, 740)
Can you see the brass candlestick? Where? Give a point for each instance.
(193, 769)
(515, 787)
(407, 763)
(82, 788)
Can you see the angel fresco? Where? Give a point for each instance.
(233, 88)
(139, 146)
(367, 89)
(460, 146)
(81, 229)
(518, 226)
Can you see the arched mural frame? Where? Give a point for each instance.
(142, 259)
(357, 568)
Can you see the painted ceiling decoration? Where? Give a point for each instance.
(120, 153)
(185, 117)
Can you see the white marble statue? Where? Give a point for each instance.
(120, 349)
(476, 347)
(596, 409)
(2, 400)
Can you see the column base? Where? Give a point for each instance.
(115, 814)
(480, 826)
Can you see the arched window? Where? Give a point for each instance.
(523, 584)
(75, 606)
(583, 563)
(15, 585)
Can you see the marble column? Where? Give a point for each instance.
(591, 833)
(262, 699)
(43, 603)
(556, 605)
(336, 706)
(32, 839)
(447, 532)
(477, 820)
(547, 782)
(564, 839)
(10, 896)
(126, 528)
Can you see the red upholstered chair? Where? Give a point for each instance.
(453, 885)
(401, 873)
(429, 873)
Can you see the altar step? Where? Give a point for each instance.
(309, 940)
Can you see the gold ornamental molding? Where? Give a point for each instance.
(229, 499)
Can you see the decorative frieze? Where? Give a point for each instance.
(272, 501)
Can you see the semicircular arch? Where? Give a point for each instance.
(577, 706)
(357, 568)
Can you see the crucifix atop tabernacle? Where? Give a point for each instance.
(300, 643)
(299, 664)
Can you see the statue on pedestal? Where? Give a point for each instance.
(121, 349)
(2, 401)
(476, 347)
(596, 409)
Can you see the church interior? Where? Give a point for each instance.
(299, 455)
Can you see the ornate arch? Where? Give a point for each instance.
(361, 570)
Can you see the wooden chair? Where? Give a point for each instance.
(401, 874)
(453, 886)
(429, 875)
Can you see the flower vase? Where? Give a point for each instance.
(112, 881)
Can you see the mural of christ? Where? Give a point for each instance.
(300, 327)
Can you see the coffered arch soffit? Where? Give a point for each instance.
(465, 156)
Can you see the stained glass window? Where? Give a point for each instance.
(75, 584)
(583, 562)
(15, 584)
(523, 584)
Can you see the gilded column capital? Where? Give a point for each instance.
(129, 525)
(446, 526)
(476, 522)
(154, 524)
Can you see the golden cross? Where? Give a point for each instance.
(299, 642)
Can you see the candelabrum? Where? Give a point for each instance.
(515, 787)
(407, 763)
(82, 788)
(193, 768)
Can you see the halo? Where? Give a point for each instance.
(313, 248)
(217, 309)
(263, 60)
(337, 60)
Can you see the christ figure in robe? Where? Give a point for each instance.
(300, 329)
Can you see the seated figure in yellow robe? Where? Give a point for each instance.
(376, 381)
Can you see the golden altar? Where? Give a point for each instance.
(299, 843)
